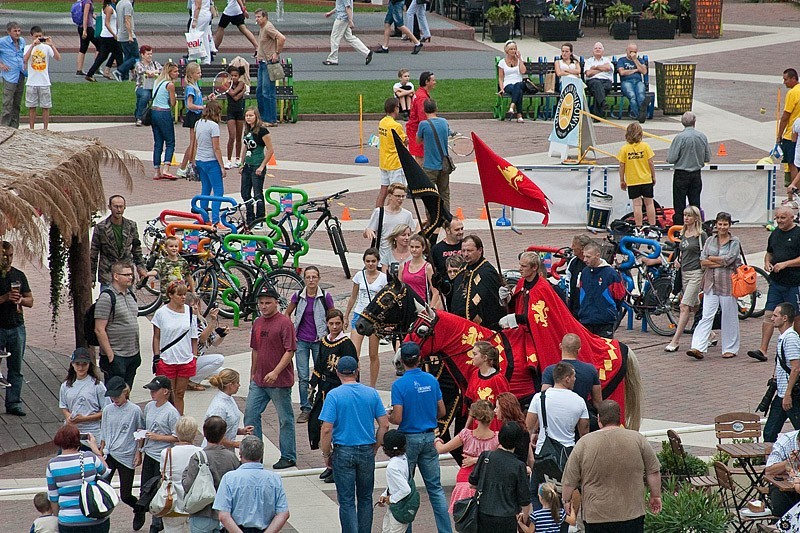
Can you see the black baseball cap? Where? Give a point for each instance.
(81, 355)
(409, 351)
(114, 386)
(269, 292)
(159, 382)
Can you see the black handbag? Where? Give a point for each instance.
(677, 281)
(528, 87)
(552, 458)
(147, 116)
(465, 511)
(447, 162)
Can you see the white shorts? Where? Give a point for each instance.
(38, 97)
(392, 176)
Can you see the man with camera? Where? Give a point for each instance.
(785, 404)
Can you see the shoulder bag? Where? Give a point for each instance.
(781, 357)
(166, 497)
(147, 116)
(275, 71)
(173, 342)
(552, 458)
(202, 492)
(447, 162)
(406, 509)
(96, 498)
(465, 512)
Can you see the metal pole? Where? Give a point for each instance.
(494, 241)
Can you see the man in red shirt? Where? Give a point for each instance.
(427, 82)
(273, 344)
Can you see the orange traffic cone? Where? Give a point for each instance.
(483, 215)
(722, 151)
(460, 214)
(272, 161)
(346, 214)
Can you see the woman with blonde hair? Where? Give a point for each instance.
(224, 406)
(164, 100)
(400, 252)
(510, 73)
(176, 460)
(688, 263)
(208, 158)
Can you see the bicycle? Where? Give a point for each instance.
(284, 241)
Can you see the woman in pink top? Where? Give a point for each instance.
(417, 273)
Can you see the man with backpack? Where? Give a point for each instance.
(115, 326)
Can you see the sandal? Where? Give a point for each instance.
(671, 348)
(195, 387)
(728, 355)
(170, 177)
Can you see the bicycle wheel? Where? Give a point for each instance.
(661, 307)
(206, 287)
(282, 240)
(339, 246)
(287, 282)
(148, 295)
(760, 296)
(246, 277)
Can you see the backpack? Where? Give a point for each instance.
(88, 317)
(77, 12)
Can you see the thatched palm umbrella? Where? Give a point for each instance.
(53, 180)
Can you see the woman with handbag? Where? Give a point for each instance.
(164, 100)
(691, 273)
(510, 73)
(720, 258)
(502, 485)
(63, 491)
(109, 47)
(366, 285)
(201, 23)
(172, 464)
(160, 421)
(175, 341)
(146, 72)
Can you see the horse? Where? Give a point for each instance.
(446, 342)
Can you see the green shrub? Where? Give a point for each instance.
(688, 510)
(670, 463)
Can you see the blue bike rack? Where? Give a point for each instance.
(630, 262)
(203, 213)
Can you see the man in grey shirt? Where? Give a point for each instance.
(127, 40)
(116, 327)
(689, 151)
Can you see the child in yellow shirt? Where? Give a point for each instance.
(637, 174)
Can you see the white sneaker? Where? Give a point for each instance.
(181, 172)
(228, 164)
(237, 163)
(4, 382)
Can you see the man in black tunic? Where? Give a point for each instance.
(476, 287)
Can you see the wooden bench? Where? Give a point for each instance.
(288, 101)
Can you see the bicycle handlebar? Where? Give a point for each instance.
(562, 254)
(327, 199)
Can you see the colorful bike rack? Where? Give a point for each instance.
(204, 214)
(172, 226)
(630, 262)
(236, 252)
(178, 214)
(302, 220)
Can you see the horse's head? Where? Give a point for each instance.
(392, 310)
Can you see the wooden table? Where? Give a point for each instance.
(745, 452)
(780, 481)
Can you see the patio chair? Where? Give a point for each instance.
(698, 482)
(727, 489)
(738, 425)
(531, 9)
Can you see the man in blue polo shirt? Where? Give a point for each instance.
(416, 407)
(348, 422)
(631, 76)
(12, 71)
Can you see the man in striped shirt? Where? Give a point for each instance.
(784, 453)
(787, 370)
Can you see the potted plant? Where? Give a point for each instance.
(686, 509)
(656, 22)
(619, 24)
(685, 24)
(561, 25)
(500, 20)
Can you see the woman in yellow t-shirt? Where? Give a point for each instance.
(637, 174)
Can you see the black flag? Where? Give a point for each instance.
(420, 186)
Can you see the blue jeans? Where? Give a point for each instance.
(202, 524)
(635, 91)
(252, 186)
(422, 453)
(130, 53)
(354, 475)
(143, 96)
(305, 350)
(257, 400)
(211, 178)
(777, 417)
(514, 90)
(14, 341)
(163, 135)
(265, 95)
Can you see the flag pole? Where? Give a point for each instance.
(494, 241)
(416, 208)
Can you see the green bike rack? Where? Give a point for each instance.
(302, 220)
(236, 253)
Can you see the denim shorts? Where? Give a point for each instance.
(782, 293)
(356, 316)
(395, 14)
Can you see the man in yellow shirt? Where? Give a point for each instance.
(389, 162)
(791, 112)
(637, 174)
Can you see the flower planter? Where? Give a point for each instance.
(621, 31)
(558, 30)
(655, 29)
(500, 34)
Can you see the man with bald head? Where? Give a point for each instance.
(631, 76)
(782, 261)
(689, 151)
(599, 75)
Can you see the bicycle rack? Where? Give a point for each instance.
(201, 243)
(236, 253)
(302, 220)
(204, 214)
(179, 214)
(630, 263)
